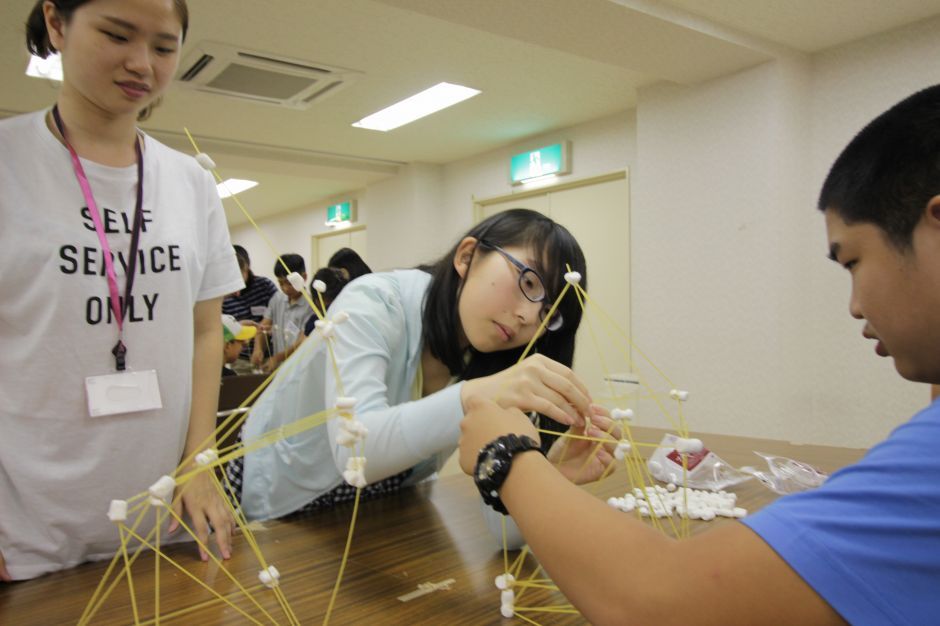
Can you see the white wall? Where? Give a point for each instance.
(733, 294)
(851, 85)
(717, 224)
(597, 147)
(286, 233)
(732, 288)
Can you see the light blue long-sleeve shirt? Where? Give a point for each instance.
(378, 352)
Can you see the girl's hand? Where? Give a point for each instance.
(536, 384)
(582, 460)
(205, 506)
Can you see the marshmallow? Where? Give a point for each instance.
(345, 403)
(163, 488)
(739, 512)
(679, 394)
(351, 432)
(671, 487)
(205, 161)
(504, 581)
(269, 577)
(688, 446)
(356, 463)
(355, 473)
(324, 328)
(341, 317)
(356, 479)
(117, 511)
(621, 414)
(319, 286)
(296, 281)
(623, 447)
(507, 610)
(507, 596)
(346, 439)
(207, 456)
(572, 278)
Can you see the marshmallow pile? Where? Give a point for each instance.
(662, 501)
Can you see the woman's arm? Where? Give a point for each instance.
(199, 496)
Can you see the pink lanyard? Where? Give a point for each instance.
(118, 306)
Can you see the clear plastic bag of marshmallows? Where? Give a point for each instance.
(706, 470)
(786, 475)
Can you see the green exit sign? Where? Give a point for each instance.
(339, 213)
(550, 160)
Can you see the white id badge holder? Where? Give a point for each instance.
(123, 392)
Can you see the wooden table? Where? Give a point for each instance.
(430, 533)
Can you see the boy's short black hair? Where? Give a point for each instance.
(890, 170)
(294, 263)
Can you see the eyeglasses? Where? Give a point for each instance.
(531, 285)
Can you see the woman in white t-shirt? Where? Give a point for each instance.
(127, 257)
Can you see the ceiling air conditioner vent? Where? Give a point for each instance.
(259, 77)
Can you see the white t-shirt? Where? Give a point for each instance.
(59, 468)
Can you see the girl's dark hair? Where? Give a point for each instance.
(334, 280)
(515, 227)
(37, 37)
(349, 260)
(244, 263)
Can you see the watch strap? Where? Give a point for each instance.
(493, 464)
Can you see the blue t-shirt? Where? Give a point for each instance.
(868, 540)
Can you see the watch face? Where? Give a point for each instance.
(486, 466)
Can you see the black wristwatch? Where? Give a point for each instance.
(493, 465)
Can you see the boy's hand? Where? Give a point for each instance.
(205, 506)
(485, 421)
(4, 574)
(257, 357)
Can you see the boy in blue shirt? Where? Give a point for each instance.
(865, 546)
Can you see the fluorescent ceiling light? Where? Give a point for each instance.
(232, 186)
(50, 67)
(440, 96)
